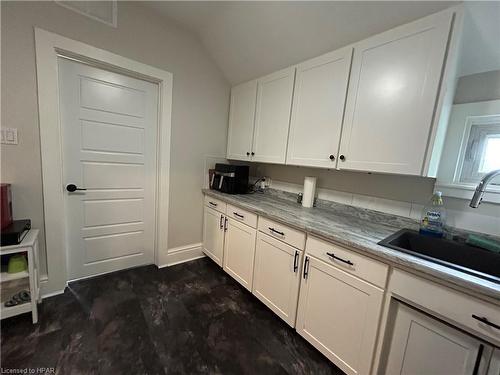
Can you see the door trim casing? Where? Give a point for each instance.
(48, 46)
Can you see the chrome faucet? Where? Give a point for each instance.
(481, 187)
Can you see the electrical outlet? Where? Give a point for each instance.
(9, 136)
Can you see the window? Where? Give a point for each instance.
(482, 149)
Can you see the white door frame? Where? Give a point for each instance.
(48, 47)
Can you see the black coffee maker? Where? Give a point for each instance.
(230, 179)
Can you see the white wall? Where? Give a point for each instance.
(200, 101)
(478, 87)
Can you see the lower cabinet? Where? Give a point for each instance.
(213, 234)
(423, 345)
(239, 252)
(339, 313)
(277, 276)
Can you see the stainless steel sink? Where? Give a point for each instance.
(453, 254)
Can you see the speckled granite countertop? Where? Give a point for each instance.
(357, 228)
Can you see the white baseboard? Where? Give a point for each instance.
(183, 254)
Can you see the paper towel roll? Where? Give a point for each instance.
(309, 191)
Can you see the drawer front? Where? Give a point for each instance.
(241, 215)
(349, 261)
(283, 233)
(449, 304)
(215, 203)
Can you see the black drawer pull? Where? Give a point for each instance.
(340, 259)
(306, 267)
(484, 320)
(238, 215)
(276, 231)
(296, 261)
(212, 203)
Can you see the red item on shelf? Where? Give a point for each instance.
(6, 205)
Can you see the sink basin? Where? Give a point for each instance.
(453, 254)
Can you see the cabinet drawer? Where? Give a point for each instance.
(448, 303)
(215, 203)
(282, 232)
(349, 261)
(241, 215)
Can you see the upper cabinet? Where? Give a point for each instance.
(373, 106)
(393, 90)
(272, 116)
(318, 108)
(241, 121)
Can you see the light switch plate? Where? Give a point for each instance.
(9, 136)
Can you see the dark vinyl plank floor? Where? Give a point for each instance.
(186, 319)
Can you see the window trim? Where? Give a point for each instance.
(448, 176)
(477, 129)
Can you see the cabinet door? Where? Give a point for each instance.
(241, 121)
(272, 116)
(339, 315)
(423, 345)
(318, 108)
(276, 276)
(213, 235)
(392, 94)
(239, 252)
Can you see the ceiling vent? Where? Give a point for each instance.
(103, 11)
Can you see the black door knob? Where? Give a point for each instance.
(342, 157)
(332, 157)
(72, 187)
(248, 154)
(253, 153)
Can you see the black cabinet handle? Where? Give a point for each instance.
(221, 225)
(306, 267)
(342, 157)
(248, 154)
(238, 215)
(478, 359)
(332, 157)
(340, 259)
(276, 231)
(72, 187)
(296, 261)
(225, 224)
(484, 320)
(213, 204)
(253, 153)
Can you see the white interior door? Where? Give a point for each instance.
(109, 126)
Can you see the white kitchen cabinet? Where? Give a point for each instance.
(393, 89)
(213, 234)
(272, 116)
(239, 252)
(338, 314)
(423, 345)
(277, 276)
(241, 121)
(318, 108)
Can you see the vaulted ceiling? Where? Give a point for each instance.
(248, 39)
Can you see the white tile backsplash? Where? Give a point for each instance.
(465, 219)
